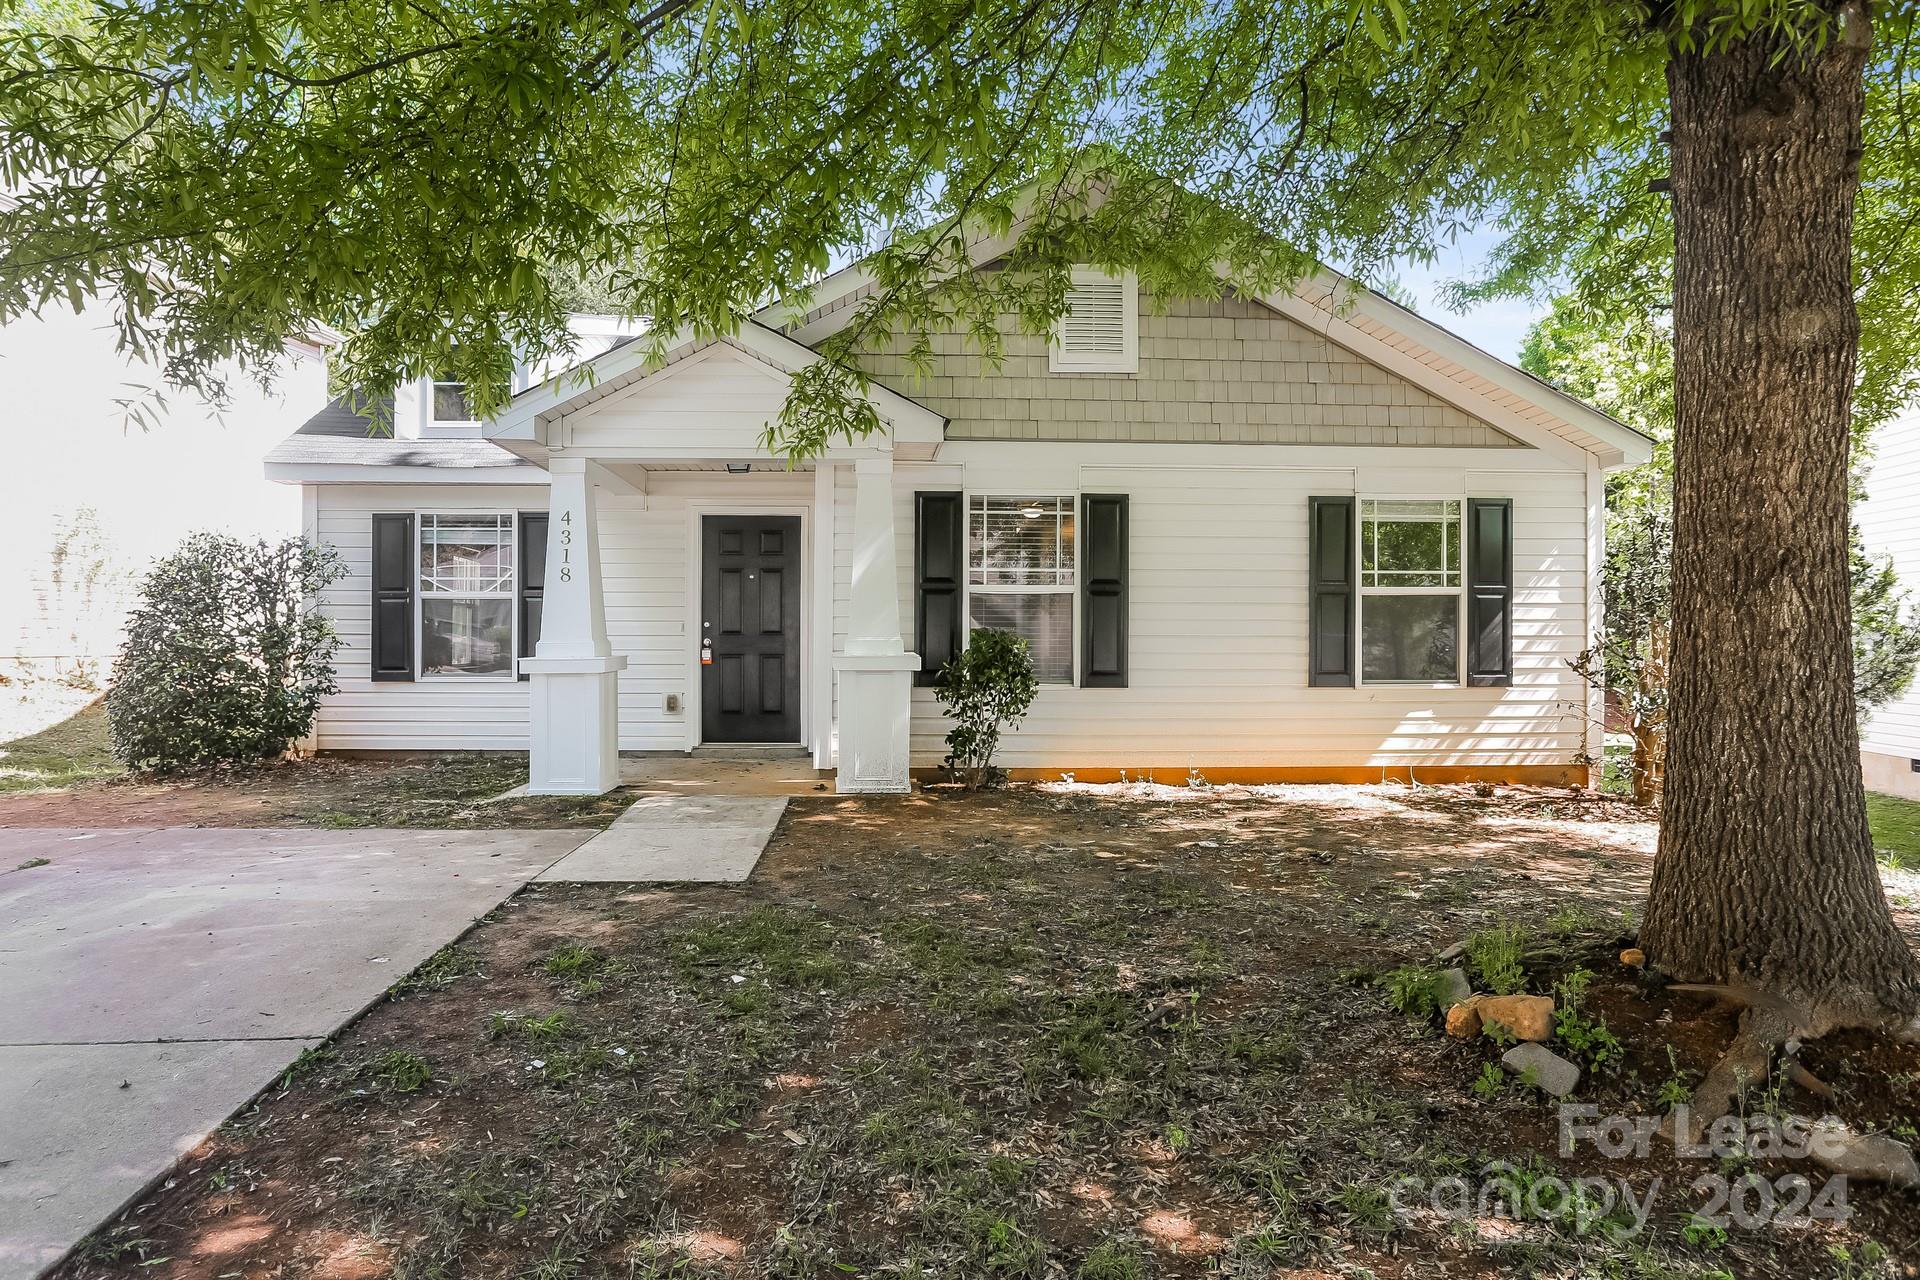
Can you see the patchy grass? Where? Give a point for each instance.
(1121, 1036)
(74, 751)
(1896, 830)
(441, 790)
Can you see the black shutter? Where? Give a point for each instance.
(1489, 591)
(532, 579)
(1331, 571)
(939, 560)
(393, 579)
(1103, 591)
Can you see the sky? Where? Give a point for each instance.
(1497, 328)
(68, 448)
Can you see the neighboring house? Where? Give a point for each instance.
(1261, 538)
(1889, 520)
(88, 500)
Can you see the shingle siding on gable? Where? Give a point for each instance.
(1223, 371)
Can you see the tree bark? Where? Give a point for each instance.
(1765, 875)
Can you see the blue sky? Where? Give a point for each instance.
(1498, 327)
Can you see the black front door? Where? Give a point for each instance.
(750, 629)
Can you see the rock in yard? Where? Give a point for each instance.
(1872, 1156)
(1459, 949)
(1633, 958)
(1452, 987)
(1542, 1067)
(1463, 1020)
(1527, 1017)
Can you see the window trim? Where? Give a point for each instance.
(1072, 589)
(1361, 591)
(1127, 360)
(511, 595)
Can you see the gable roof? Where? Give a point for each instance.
(1362, 320)
(524, 426)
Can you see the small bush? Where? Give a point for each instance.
(225, 657)
(988, 687)
(1495, 958)
(1413, 990)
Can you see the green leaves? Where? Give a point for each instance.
(232, 174)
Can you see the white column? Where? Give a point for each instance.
(876, 671)
(575, 741)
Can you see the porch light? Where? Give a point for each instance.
(739, 468)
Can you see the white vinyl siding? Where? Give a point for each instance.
(1890, 526)
(645, 559)
(1217, 649)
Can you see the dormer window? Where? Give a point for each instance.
(1100, 332)
(450, 401)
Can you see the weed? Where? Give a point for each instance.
(310, 1063)
(1676, 1088)
(1704, 1233)
(1367, 1208)
(1495, 957)
(573, 960)
(1113, 1260)
(1414, 990)
(31, 863)
(1587, 1039)
(120, 1243)
(399, 1071)
(1868, 1262)
(439, 971)
(1491, 1082)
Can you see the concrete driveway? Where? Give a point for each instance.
(152, 981)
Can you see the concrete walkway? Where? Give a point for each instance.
(152, 981)
(677, 838)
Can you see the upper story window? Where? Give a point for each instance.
(1100, 332)
(1020, 575)
(449, 403)
(1410, 591)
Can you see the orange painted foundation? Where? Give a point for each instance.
(1531, 775)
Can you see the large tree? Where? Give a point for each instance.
(413, 171)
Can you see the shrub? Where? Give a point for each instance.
(1496, 955)
(989, 686)
(225, 657)
(1413, 990)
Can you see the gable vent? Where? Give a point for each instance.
(1100, 331)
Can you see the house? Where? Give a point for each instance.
(1287, 537)
(1890, 737)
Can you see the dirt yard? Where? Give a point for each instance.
(65, 776)
(1105, 1033)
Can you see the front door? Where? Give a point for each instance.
(750, 629)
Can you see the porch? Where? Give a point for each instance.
(696, 591)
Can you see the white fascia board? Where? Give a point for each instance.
(350, 473)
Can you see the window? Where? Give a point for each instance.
(1100, 332)
(1410, 591)
(1020, 560)
(466, 595)
(450, 401)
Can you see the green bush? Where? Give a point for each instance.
(225, 656)
(1496, 957)
(988, 687)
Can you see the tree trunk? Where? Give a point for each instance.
(1765, 875)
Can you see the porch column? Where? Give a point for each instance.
(575, 741)
(876, 670)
